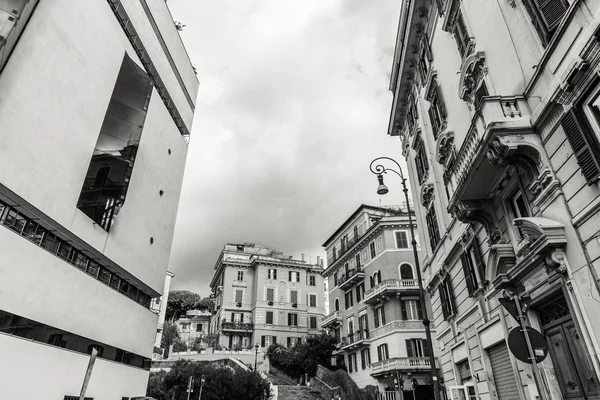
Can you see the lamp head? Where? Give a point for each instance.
(381, 189)
(256, 346)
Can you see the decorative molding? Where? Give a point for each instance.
(555, 261)
(430, 85)
(427, 195)
(482, 212)
(445, 149)
(472, 72)
(450, 11)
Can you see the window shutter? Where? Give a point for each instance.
(297, 276)
(274, 339)
(289, 319)
(262, 341)
(274, 274)
(451, 303)
(289, 341)
(464, 259)
(552, 12)
(232, 317)
(425, 348)
(382, 315)
(403, 309)
(379, 353)
(419, 309)
(238, 296)
(409, 349)
(242, 318)
(289, 276)
(378, 276)
(479, 260)
(372, 282)
(376, 318)
(584, 142)
(443, 300)
(362, 359)
(358, 294)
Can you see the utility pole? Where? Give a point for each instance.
(190, 388)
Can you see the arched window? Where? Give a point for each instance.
(406, 272)
(337, 304)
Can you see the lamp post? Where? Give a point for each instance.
(202, 381)
(255, 356)
(378, 169)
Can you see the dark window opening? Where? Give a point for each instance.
(546, 16)
(107, 179)
(461, 35)
(480, 94)
(432, 227)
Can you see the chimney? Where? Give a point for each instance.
(321, 263)
(302, 256)
(289, 257)
(318, 260)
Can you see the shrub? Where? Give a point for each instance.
(304, 357)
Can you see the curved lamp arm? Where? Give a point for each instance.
(379, 169)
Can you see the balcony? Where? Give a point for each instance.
(401, 364)
(345, 245)
(350, 278)
(332, 319)
(399, 326)
(356, 340)
(237, 326)
(389, 288)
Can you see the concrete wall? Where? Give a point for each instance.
(50, 372)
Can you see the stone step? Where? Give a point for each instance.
(288, 392)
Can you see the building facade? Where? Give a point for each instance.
(263, 297)
(496, 105)
(96, 103)
(195, 324)
(376, 314)
(159, 305)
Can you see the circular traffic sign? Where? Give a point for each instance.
(518, 345)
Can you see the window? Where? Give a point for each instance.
(269, 318)
(240, 276)
(105, 186)
(546, 16)
(365, 358)
(312, 280)
(292, 319)
(417, 348)
(401, 240)
(461, 35)
(432, 227)
(294, 296)
(313, 322)
(472, 267)
(266, 340)
(294, 276)
(198, 327)
(272, 273)
(348, 299)
(424, 60)
(379, 316)
(583, 141)
(239, 295)
(334, 251)
(379, 244)
(375, 279)
(270, 294)
(337, 304)
(446, 298)
(352, 365)
(421, 163)
(335, 278)
(464, 372)
(411, 310)
(411, 116)
(519, 205)
(437, 111)
(363, 325)
(292, 341)
(480, 94)
(360, 292)
(382, 352)
(364, 255)
(357, 261)
(372, 249)
(312, 300)
(406, 272)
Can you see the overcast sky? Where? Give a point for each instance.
(292, 107)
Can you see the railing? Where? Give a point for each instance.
(240, 326)
(331, 317)
(399, 325)
(401, 363)
(392, 284)
(356, 337)
(345, 277)
(387, 395)
(345, 245)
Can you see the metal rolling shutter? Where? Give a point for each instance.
(504, 377)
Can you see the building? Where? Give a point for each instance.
(195, 324)
(496, 105)
(159, 305)
(376, 313)
(97, 100)
(264, 297)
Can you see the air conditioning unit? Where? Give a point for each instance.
(294, 305)
(270, 302)
(238, 304)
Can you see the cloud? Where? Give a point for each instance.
(292, 107)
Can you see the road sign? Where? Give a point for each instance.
(518, 345)
(511, 307)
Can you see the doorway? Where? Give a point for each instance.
(574, 369)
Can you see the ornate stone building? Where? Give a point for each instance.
(496, 105)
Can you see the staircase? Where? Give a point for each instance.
(287, 392)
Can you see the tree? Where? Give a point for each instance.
(179, 302)
(205, 304)
(179, 345)
(304, 357)
(170, 334)
(211, 339)
(199, 343)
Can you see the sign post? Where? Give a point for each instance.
(88, 373)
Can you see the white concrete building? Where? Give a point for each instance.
(96, 103)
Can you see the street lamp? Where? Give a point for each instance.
(255, 355)
(379, 170)
(202, 381)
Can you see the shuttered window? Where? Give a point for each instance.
(460, 34)
(292, 319)
(269, 317)
(546, 16)
(473, 267)
(293, 296)
(270, 294)
(584, 143)
(313, 322)
(446, 298)
(238, 296)
(372, 249)
(312, 298)
(432, 227)
(411, 309)
(421, 162)
(379, 244)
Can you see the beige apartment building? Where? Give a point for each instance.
(195, 324)
(496, 104)
(373, 293)
(264, 297)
